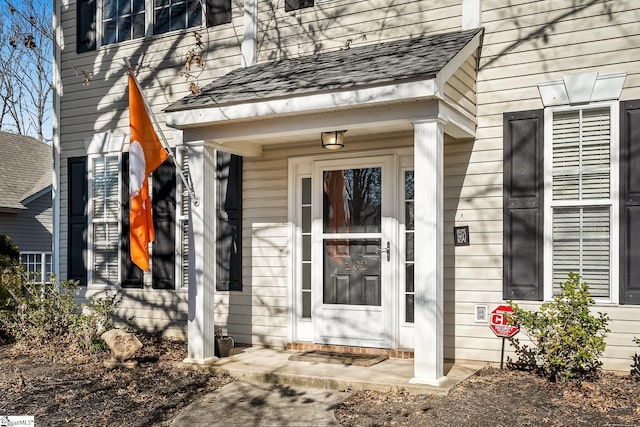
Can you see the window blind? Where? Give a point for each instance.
(581, 154)
(581, 237)
(106, 206)
(185, 200)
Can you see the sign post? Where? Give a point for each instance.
(499, 324)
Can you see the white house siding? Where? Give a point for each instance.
(102, 106)
(460, 89)
(525, 43)
(336, 24)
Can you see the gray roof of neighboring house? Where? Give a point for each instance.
(26, 168)
(358, 67)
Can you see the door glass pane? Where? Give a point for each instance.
(352, 200)
(352, 272)
(409, 244)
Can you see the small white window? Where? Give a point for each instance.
(105, 219)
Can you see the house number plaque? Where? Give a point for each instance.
(355, 265)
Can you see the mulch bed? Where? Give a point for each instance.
(494, 397)
(86, 393)
(83, 392)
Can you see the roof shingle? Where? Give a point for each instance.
(27, 167)
(357, 67)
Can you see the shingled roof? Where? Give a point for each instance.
(27, 167)
(358, 67)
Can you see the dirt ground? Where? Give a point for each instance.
(84, 393)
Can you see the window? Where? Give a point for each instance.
(291, 5)
(37, 265)
(580, 163)
(105, 218)
(409, 246)
(571, 201)
(183, 222)
(170, 15)
(121, 20)
(305, 208)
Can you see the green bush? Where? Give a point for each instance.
(569, 340)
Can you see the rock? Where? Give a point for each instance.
(123, 346)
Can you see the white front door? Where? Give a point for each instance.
(354, 251)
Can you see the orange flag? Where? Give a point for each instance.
(145, 155)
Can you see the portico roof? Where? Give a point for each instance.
(329, 90)
(396, 61)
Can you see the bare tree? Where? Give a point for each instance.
(26, 54)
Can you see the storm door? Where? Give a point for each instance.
(352, 254)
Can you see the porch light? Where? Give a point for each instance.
(333, 140)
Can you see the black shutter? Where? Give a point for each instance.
(229, 222)
(163, 201)
(85, 25)
(77, 219)
(290, 5)
(132, 275)
(523, 205)
(218, 12)
(630, 202)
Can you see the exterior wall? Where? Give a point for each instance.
(101, 105)
(336, 24)
(30, 230)
(259, 314)
(526, 43)
(460, 89)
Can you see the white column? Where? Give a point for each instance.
(200, 330)
(429, 277)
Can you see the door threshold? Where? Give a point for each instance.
(392, 353)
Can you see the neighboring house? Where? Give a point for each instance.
(517, 120)
(26, 201)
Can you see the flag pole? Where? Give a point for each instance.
(165, 143)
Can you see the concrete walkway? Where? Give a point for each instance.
(245, 404)
(273, 391)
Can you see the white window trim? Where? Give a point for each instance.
(613, 201)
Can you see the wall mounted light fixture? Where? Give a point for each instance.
(333, 140)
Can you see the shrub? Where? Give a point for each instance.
(569, 340)
(47, 314)
(11, 272)
(635, 367)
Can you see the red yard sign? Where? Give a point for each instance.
(499, 322)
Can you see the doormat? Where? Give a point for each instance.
(322, 356)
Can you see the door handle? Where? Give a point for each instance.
(387, 250)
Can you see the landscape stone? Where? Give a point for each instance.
(123, 346)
